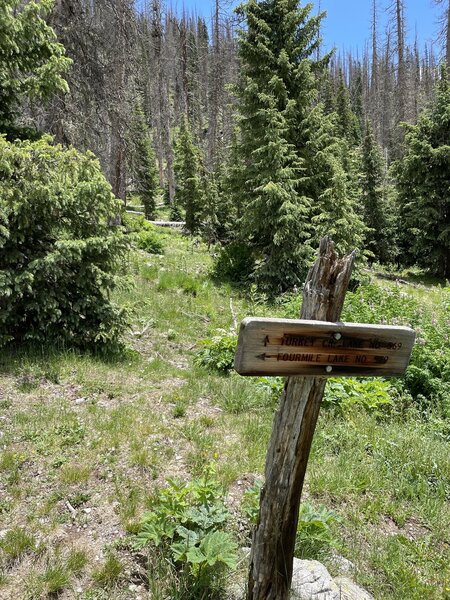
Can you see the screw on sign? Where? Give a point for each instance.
(308, 351)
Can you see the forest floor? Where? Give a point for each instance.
(86, 441)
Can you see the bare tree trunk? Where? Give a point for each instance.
(216, 83)
(272, 553)
(118, 151)
(447, 37)
(375, 75)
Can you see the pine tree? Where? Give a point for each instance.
(347, 121)
(189, 189)
(144, 169)
(380, 239)
(424, 185)
(293, 166)
(32, 62)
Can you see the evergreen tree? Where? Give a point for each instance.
(189, 188)
(32, 62)
(380, 239)
(143, 163)
(294, 175)
(232, 188)
(347, 121)
(424, 185)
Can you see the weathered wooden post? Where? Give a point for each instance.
(316, 351)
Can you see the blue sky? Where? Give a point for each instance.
(347, 25)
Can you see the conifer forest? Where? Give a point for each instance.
(225, 120)
(163, 176)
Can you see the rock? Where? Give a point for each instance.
(341, 565)
(349, 590)
(311, 581)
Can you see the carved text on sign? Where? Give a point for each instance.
(282, 346)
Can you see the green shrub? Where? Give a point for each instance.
(60, 257)
(314, 533)
(188, 524)
(235, 262)
(150, 242)
(133, 223)
(218, 352)
(346, 394)
(427, 379)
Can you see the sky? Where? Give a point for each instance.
(347, 25)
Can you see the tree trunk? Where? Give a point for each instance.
(272, 553)
(447, 38)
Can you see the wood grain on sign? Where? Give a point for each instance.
(320, 348)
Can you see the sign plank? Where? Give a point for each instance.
(320, 348)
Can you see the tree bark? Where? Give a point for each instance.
(272, 553)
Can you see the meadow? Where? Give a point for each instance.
(88, 443)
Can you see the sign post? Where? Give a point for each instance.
(308, 351)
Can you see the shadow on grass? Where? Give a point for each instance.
(47, 361)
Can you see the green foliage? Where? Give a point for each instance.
(60, 257)
(348, 394)
(143, 166)
(250, 501)
(295, 187)
(423, 183)
(234, 262)
(134, 223)
(347, 121)
(218, 352)
(179, 280)
(32, 62)
(378, 211)
(272, 385)
(428, 376)
(188, 523)
(150, 242)
(189, 190)
(314, 532)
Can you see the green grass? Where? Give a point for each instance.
(110, 572)
(87, 441)
(17, 542)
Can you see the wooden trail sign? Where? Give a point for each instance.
(308, 350)
(302, 347)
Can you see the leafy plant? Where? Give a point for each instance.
(234, 262)
(187, 523)
(218, 352)
(250, 501)
(427, 379)
(374, 395)
(272, 385)
(314, 533)
(134, 223)
(150, 242)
